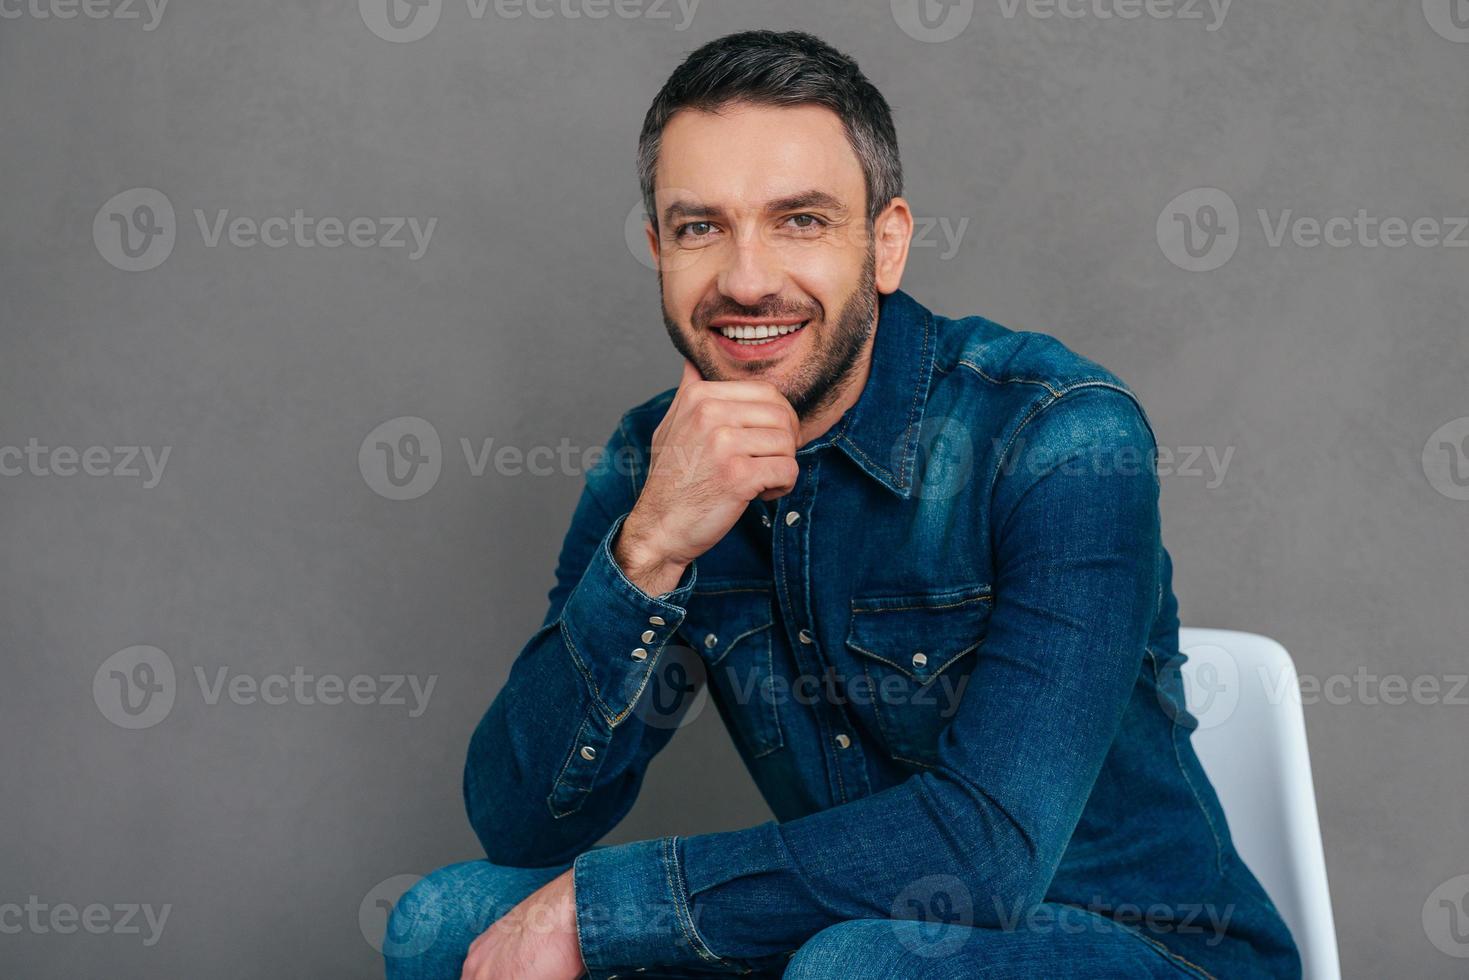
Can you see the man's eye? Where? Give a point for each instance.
(805, 221)
(696, 229)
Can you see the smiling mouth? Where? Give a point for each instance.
(756, 335)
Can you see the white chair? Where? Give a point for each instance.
(1251, 740)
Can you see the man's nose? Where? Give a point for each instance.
(753, 270)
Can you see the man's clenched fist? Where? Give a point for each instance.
(721, 445)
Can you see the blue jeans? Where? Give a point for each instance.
(434, 922)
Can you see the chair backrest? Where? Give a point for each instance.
(1251, 740)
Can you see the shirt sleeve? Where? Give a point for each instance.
(559, 756)
(1075, 531)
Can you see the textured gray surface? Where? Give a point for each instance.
(1054, 143)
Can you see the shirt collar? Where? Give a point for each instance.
(881, 431)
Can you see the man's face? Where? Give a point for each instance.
(765, 256)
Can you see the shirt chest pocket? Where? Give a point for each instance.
(730, 626)
(917, 652)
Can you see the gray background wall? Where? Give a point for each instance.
(1051, 148)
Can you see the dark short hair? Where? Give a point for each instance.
(780, 69)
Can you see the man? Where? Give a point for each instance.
(920, 563)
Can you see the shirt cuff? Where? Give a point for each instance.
(632, 911)
(605, 621)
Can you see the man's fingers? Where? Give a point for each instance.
(757, 441)
(774, 476)
(745, 391)
(759, 415)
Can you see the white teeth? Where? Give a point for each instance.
(759, 333)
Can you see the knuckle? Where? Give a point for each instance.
(736, 469)
(705, 413)
(722, 438)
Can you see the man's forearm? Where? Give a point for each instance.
(557, 759)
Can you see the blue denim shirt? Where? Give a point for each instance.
(949, 659)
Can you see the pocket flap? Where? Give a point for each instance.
(722, 615)
(919, 635)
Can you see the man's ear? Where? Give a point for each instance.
(652, 240)
(892, 232)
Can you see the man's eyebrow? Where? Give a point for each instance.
(794, 202)
(679, 209)
(805, 200)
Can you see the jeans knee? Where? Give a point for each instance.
(431, 926)
(422, 915)
(844, 950)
